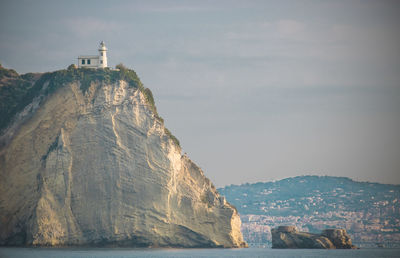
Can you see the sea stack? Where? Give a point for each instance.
(289, 237)
(85, 159)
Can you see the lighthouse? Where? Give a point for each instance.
(102, 55)
(99, 61)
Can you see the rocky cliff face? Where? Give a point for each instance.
(289, 237)
(97, 167)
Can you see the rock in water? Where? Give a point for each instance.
(90, 162)
(288, 237)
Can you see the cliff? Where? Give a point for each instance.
(88, 161)
(289, 237)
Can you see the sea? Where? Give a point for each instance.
(8, 252)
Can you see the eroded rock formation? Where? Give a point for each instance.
(339, 238)
(289, 237)
(97, 167)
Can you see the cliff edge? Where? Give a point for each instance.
(86, 160)
(288, 237)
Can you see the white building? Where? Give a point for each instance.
(99, 61)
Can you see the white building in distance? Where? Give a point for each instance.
(99, 61)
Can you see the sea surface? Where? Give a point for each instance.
(6, 252)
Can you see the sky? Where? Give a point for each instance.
(254, 90)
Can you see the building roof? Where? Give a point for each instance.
(91, 57)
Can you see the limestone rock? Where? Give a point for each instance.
(289, 237)
(339, 238)
(98, 168)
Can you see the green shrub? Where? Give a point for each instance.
(72, 66)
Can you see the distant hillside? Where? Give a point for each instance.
(369, 211)
(310, 194)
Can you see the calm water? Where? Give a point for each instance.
(249, 252)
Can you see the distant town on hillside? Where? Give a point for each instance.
(370, 212)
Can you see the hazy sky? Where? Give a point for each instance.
(254, 90)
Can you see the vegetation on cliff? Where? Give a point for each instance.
(17, 91)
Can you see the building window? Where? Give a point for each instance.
(101, 53)
(88, 61)
(101, 61)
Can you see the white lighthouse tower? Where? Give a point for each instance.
(102, 55)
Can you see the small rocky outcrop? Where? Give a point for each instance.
(289, 237)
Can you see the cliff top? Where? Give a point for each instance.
(17, 91)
